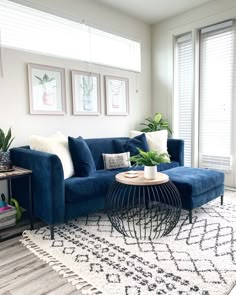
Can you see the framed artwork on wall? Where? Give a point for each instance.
(86, 93)
(117, 96)
(46, 89)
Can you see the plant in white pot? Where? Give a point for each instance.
(5, 142)
(150, 160)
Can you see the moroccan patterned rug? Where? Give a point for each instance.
(194, 259)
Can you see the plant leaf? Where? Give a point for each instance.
(5, 140)
(146, 130)
(158, 117)
(169, 130)
(37, 77)
(2, 138)
(10, 142)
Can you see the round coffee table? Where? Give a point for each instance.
(141, 208)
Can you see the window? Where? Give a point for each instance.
(217, 78)
(33, 30)
(215, 130)
(184, 93)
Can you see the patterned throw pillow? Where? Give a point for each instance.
(115, 161)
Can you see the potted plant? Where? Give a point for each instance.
(5, 142)
(48, 94)
(156, 123)
(150, 160)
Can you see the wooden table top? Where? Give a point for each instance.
(137, 178)
(17, 171)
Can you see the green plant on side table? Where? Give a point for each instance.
(156, 123)
(150, 160)
(5, 142)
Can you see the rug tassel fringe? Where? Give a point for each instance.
(62, 270)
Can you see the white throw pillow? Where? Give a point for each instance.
(55, 144)
(157, 140)
(115, 161)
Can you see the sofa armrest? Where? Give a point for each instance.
(176, 150)
(47, 184)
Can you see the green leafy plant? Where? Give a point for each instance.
(155, 124)
(150, 158)
(44, 81)
(5, 140)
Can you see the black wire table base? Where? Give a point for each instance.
(143, 211)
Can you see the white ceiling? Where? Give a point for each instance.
(153, 11)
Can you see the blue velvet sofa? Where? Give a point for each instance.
(56, 200)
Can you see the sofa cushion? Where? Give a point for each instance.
(78, 189)
(131, 144)
(81, 156)
(194, 181)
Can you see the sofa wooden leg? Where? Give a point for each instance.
(190, 216)
(52, 231)
(221, 200)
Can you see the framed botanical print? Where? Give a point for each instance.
(46, 89)
(117, 96)
(86, 93)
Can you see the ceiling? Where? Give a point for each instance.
(153, 11)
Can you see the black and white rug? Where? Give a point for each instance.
(194, 259)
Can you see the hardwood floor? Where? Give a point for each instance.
(23, 273)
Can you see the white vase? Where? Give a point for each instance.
(150, 172)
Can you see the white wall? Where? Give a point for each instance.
(162, 47)
(14, 98)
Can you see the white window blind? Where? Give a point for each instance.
(26, 28)
(184, 93)
(217, 71)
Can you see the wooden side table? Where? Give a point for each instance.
(19, 172)
(141, 208)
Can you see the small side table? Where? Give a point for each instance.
(141, 208)
(19, 172)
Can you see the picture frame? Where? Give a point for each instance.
(86, 92)
(117, 96)
(46, 90)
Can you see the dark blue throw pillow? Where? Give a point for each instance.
(131, 145)
(81, 157)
